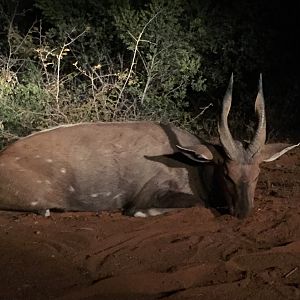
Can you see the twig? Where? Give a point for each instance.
(149, 78)
(291, 272)
(203, 111)
(59, 57)
(133, 59)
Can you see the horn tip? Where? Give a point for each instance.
(230, 85)
(260, 82)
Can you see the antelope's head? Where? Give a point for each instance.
(241, 164)
(238, 168)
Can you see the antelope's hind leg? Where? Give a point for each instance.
(29, 191)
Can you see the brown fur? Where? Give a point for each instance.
(130, 166)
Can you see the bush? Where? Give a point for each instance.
(139, 60)
(59, 78)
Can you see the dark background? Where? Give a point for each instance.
(243, 37)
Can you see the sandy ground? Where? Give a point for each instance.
(189, 254)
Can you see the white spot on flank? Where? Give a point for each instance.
(34, 203)
(140, 214)
(63, 170)
(17, 158)
(37, 156)
(49, 160)
(39, 181)
(100, 194)
(118, 196)
(94, 195)
(71, 189)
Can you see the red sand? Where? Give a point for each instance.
(190, 254)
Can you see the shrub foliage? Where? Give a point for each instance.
(74, 61)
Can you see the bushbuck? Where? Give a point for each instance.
(142, 168)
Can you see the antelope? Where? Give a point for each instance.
(141, 168)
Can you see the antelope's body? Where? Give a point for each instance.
(96, 166)
(135, 167)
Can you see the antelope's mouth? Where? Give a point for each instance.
(242, 211)
(242, 214)
(238, 209)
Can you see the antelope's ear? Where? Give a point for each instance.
(199, 153)
(271, 152)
